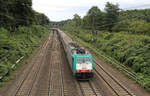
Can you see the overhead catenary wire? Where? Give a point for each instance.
(117, 22)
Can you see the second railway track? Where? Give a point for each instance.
(88, 88)
(117, 88)
(56, 80)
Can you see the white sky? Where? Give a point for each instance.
(58, 10)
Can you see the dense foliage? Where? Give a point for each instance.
(22, 43)
(123, 35)
(21, 30)
(15, 13)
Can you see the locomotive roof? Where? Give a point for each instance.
(75, 48)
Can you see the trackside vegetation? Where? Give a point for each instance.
(21, 31)
(21, 43)
(123, 35)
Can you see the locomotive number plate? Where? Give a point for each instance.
(84, 66)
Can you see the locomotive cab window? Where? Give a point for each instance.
(83, 59)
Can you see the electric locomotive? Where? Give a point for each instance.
(83, 62)
(80, 60)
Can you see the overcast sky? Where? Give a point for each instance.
(58, 10)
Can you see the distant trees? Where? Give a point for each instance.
(14, 13)
(77, 20)
(41, 19)
(143, 14)
(133, 21)
(111, 19)
(95, 18)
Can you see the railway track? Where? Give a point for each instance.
(56, 80)
(27, 83)
(117, 88)
(69, 81)
(44, 77)
(88, 88)
(42, 81)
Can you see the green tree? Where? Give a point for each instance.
(139, 27)
(94, 19)
(41, 19)
(112, 13)
(23, 13)
(77, 20)
(15, 13)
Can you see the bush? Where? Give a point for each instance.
(134, 27)
(17, 44)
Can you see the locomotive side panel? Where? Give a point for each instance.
(65, 39)
(69, 56)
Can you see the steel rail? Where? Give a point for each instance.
(26, 76)
(113, 78)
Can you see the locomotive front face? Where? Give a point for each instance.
(84, 64)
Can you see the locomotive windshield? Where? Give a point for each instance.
(83, 59)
